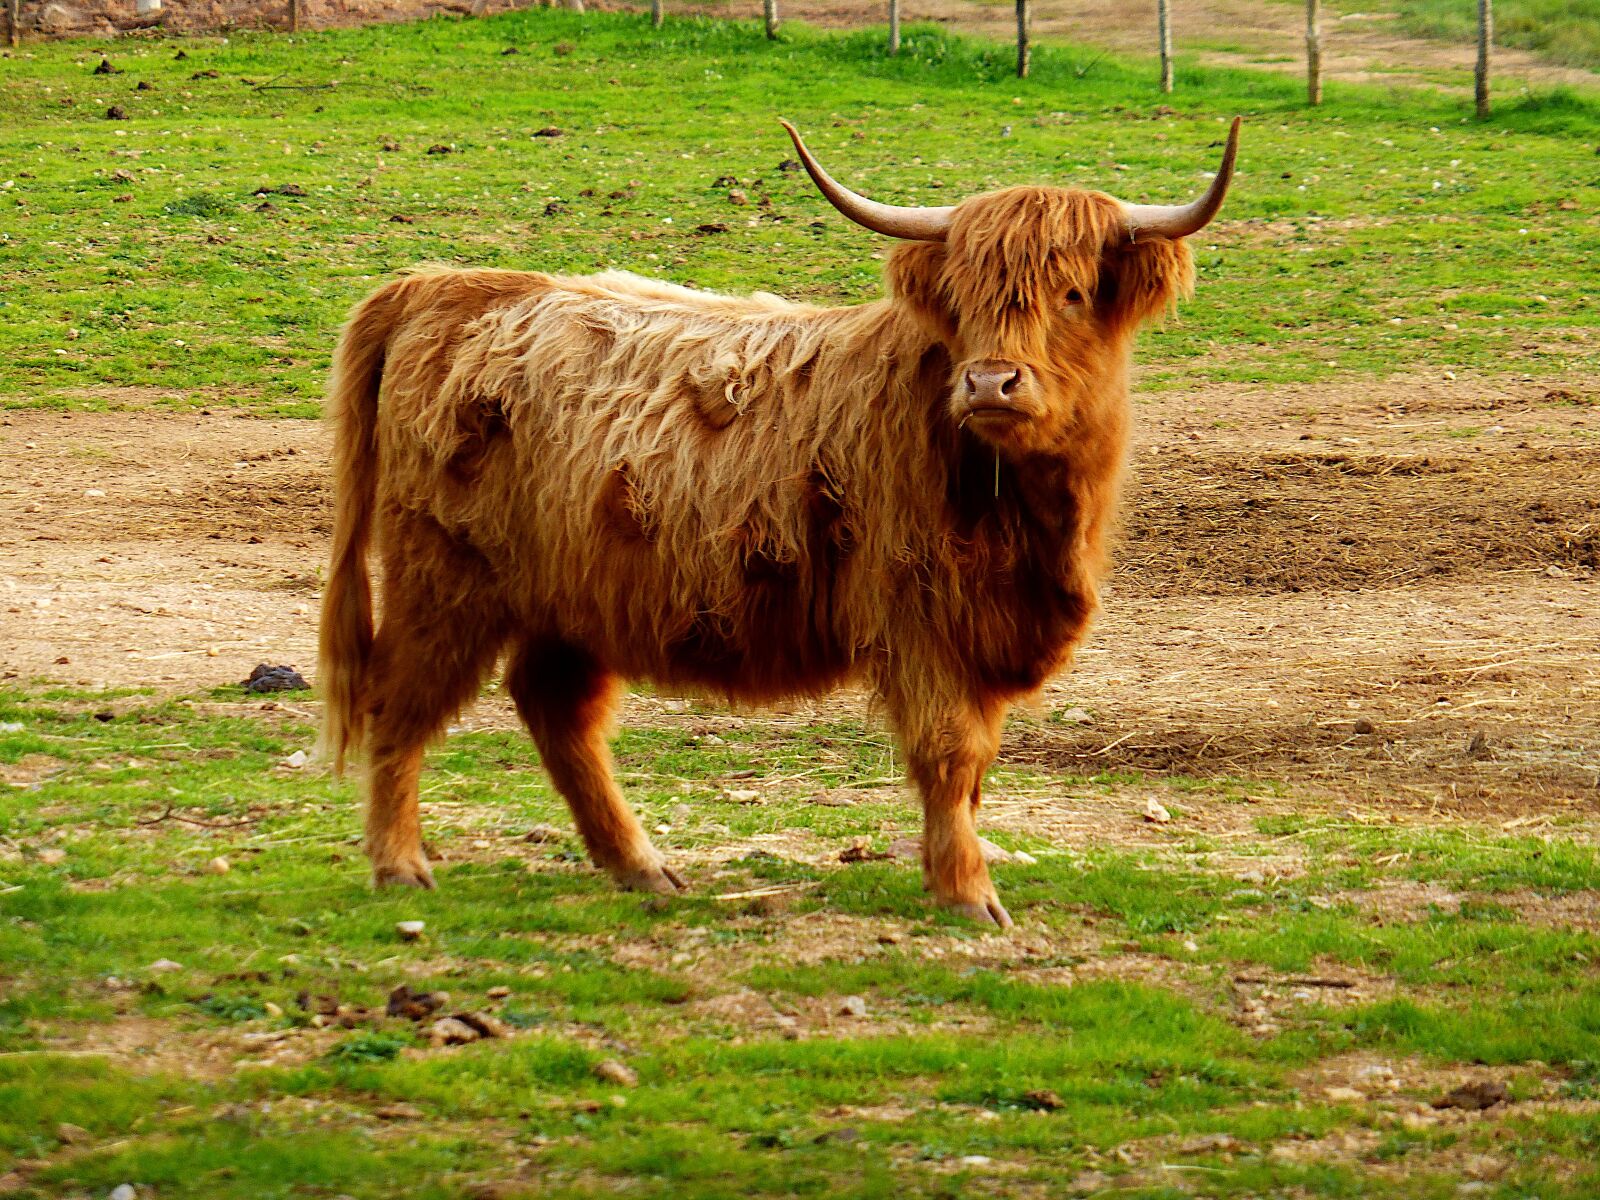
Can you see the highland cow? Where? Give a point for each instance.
(608, 478)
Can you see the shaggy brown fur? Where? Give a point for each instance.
(608, 478)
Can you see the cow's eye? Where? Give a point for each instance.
(1074, 297)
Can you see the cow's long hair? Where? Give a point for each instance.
(745, 496)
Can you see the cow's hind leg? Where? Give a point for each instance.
(566, 698)
(436, 645)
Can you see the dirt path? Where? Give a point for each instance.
(1368, 602)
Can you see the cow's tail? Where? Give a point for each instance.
(345, 646)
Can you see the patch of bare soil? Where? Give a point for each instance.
(174, 551)
(1384, 1094)
(166, 1047)
(1407, 900)
(1357, 47)
(1324, 586)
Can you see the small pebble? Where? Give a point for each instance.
(611, 1071)
(1344, 1095)
(164, 964)
(993, 853)
(852, 1006)
(218, 866)
(448, 1031)
(409, 931)
(71, 1134)
(498, 993)
(975, 1160)
(123, 1191)
(1155, 812)
(51, 855)
(297, 760)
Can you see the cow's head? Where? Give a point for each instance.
(1033, 291)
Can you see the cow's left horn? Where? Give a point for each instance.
(916, 224)
(1180, 220)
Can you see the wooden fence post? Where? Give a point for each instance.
(1164, 32)
(1485, 40)
(656, 15)
(13, 23)
(894, 26)
(1313, 55)
(294, 16)
(769, 13)
(1024, 50)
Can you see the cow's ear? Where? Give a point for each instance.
(915, 272)
(1143, 280)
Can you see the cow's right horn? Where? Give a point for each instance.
(1180, 220)
(916, 224)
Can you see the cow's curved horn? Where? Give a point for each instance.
(1180, 220)
(916, 224)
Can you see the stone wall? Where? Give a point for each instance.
(109, 18)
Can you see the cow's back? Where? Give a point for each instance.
(669, 478)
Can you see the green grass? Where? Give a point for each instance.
(1118, 999)
(1355, 235)
(1153, 998)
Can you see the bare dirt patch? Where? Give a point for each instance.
(1358, 47)
(160, 1046)
(1324, 586)
(1405, 900)
(1261, 34)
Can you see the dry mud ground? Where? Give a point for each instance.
(1374, 593)
(1266, 34)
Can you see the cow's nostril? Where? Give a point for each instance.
(1010, 385)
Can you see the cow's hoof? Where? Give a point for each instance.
(413, 874)
(984, 912)
(660, 879)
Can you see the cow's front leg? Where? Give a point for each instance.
(948, 753)
(566, 699)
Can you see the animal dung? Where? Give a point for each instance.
(414, 1006)
(267, 678)
(1475, 1097)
